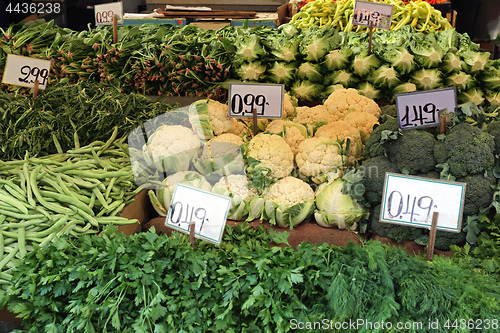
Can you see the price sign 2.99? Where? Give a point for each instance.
(411, 200)
(266, 99)
(207, 210)
(104, 13)
(24, 71)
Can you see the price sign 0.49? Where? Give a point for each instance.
(24, 71)
(411, 200)
(425, 108)
(104, 13)
(207, 210)
(266, 99)
(378, 15)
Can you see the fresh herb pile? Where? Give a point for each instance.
(154, 283)
(89, 111)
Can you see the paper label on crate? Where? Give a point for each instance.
(266, 99)
(208, 210)
(425, 108)
(24, 71)
(377, 14)
(104, 13)
(411, 201)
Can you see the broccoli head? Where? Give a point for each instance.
(413, 151)
(478, 192)
(444, 239)
(494, 129)
(392, 231)
(375, 145)
(374, 170)
(467, 150)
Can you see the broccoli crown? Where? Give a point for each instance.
(392, 231)
(374, 170)
(494, 129)
(478, 192)
(413, 151)
(444, 239)
(467, 150)
(375, 144)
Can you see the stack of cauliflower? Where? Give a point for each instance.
(282, 165)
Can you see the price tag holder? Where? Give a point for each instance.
(411, 201)
(266, 99)
(378, 14)
(425, 108)
(104, 13)
(24, 71)
(208, 210)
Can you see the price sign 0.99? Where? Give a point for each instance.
(24, 71)
(266, 99)
(411, 200)
(104, 13)
(379, 15)
(425, 108)
(207, 210)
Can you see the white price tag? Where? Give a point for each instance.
(411, 200)
(378, 14)
(266, 99)
(104, 13)
(422, 108)
(208, 210)
(24, 71)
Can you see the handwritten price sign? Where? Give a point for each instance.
(266, 99)
(379, 15)
(208, 211)
(24, 71)
(422, 108)
(104, 13)
(411, 201)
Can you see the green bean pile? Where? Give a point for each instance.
(75, 193)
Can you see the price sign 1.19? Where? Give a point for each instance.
(104, 13)
(425, 108)
(411, 200)
(207, 210)
(24, 71)
(266, 99)
(379, 15)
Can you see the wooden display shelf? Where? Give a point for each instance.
(209, 14)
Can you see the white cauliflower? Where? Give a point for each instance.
(311, 115)
(273, 152)
(342, 101)
(294, 133)
(288, 110)
(288, 202)
(363, 121)
(171, 148)
(228, 137)
(318, 156)
(241, 192)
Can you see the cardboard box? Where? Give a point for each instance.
(285, 13)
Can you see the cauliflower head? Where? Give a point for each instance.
(311, 115)
(273, 152)
(363, 121)
(343, 101)
(318, 156)
(338, 130)
(171, 148)
(237, 185)
(289, 191)
(294, 133)
(288, 106)
(228, 137)
(219, 118)
(240, 129)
